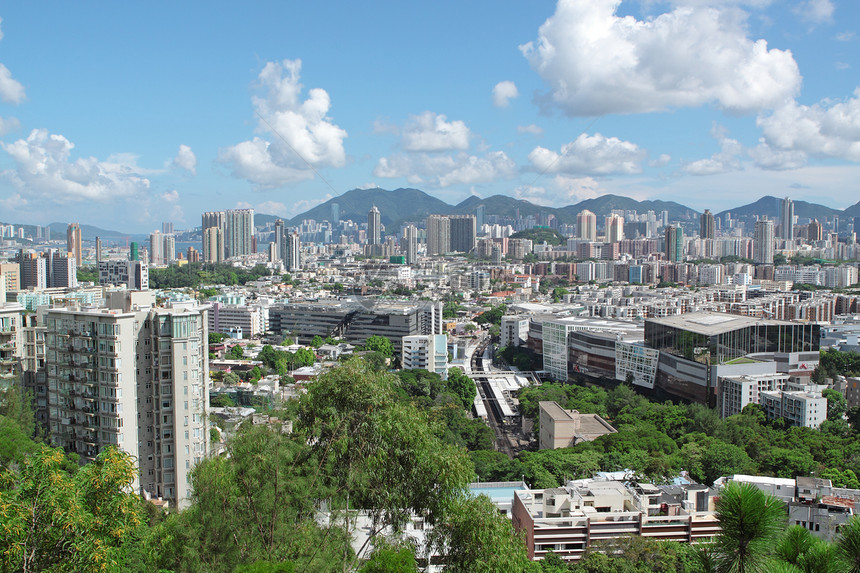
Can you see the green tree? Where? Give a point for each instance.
(236, 352)
(379, 344)
(390, 558)
(751, 523)
(462, 386)
(475, 538)
(51, 520)
(848, 545)
(837, 405)
(317, 341)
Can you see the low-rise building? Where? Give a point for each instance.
(560, 428)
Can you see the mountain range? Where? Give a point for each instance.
(401, 206)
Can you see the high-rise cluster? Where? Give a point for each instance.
(227, 234)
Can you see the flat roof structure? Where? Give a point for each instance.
(713, 323)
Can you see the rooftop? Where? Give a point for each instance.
(713, 323)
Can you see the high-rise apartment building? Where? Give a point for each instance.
(168, 249)
(74, 239)
(335, 213)
(214, 231)
(438, 235)
(480, 216)
(586, 225)
(167, 228)
(410, 240)
(133, 274)
(786, 219)
(292, 252)
(47, 270)
(156, 248)
(707, 225)
(614, 228)
(133, 377)
(763, 242)
(374, 227)
(240, 232)
(98, 249)
(674, 244)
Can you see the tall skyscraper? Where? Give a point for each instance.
(707, 225)
(410, 239)
(214, 232)
(374, 227)
(168, 249)
(73, 240)
(438, 235)
(335, 213)
(167, 227)
(614, 228)
(462, 233)
(586, 225)
(857, 227)
(480, 213)
(279, 240)
(674, 244)
(786, 219)
(98, 250)
(133, 251)
(763, 242)
(293, 252)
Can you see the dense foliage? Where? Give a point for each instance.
(193, 275)
(539, 235)
(659, 440)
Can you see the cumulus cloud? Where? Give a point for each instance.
(531, 128)
(590, 155)
(597, 62)
(766, 157)
(503, 92)
(815, 11)
(447, 170)
(727, 159)
(11, 90)
(309, 135)
(661, 161)
(827, 130)
(433, 132)
(185, 159)
(8, 124)
(44, 170)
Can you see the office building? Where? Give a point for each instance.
(462, 233)
(374, 227)
(74, 238)
(133, 274)
(674, 244)
(278, 241)
(707, 225)
(586, 225)
(214, 231)
(239, 239)
(134, 377)
(763, 242)
(815, 231)
(335, 213)
(426, 352)
(786, 219)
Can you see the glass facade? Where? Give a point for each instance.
(722, 347)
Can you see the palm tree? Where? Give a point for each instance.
(751, 524)
(848, 544)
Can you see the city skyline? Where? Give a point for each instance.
(161, 116)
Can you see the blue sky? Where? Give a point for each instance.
(125, 115)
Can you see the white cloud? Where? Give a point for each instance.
(369, 185)
(432, 132)
(11, 90)
(503, 92)
(661, 161)
(271, 208)
(262, 163)
(8, 124)
(570, 190)
(44, 170)
(447, 170)
(309, 135)
(185, 159)
(170, 196)
(590, 155)
(597, 62)
(827, 129)
(845, 36)
(531, 128)
(815, 11)
(727, 159)
(766, 157)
